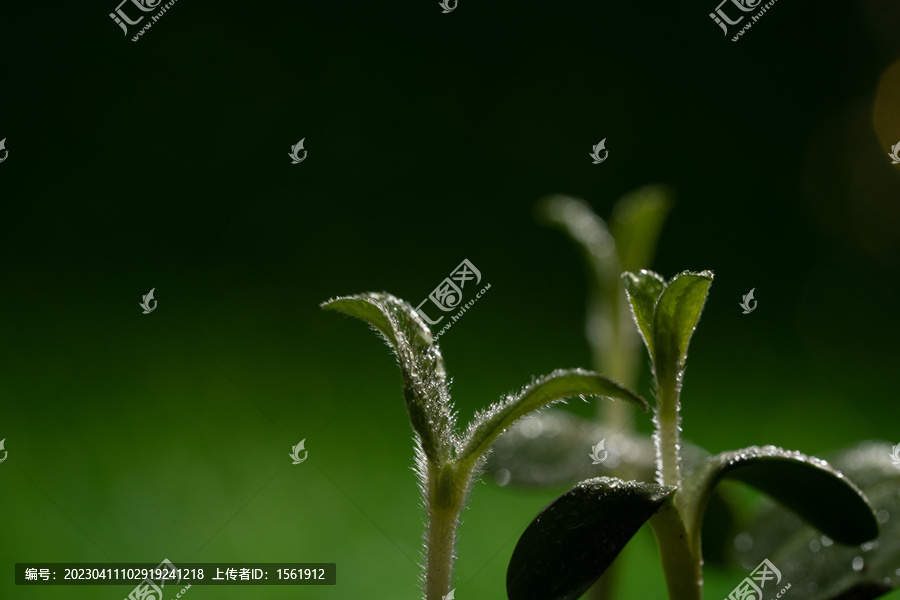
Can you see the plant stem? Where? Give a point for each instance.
(447, 490)
(668, 435)
(681, 562)
(618, 359)
(614, 349)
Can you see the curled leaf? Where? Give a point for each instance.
(424, 377)
(644, 289)
(809, 560)
(677, 313)
(561, 384)
(577, 536)
(808, 486)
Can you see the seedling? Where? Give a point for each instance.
(576, 537)
(449, 462)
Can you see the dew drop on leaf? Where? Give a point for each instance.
(869, 546)
(858, 563)
(502, 477)
(743, 542)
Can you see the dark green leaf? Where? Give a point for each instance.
(424, 377)
(577, 536)
(636, 222)
(677, 314)
(644, 289)
(808, 559)
(490, 423)
(808, 486)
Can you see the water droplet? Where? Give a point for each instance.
(531, 428)
(883, 516)
(869, 546)
(826, 541)
(502, 477)
(743, 542)
(858, 563)
(814, 545)
(897, 572)
(887, 581)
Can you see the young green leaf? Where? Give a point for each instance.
(561, 384)
(677, 314)
(636, 222)
(577, 536)
(808, 486)
(424, 377)
(644, 289)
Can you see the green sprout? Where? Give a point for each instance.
(448, 462)
(576, 537)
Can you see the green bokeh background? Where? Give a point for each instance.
(163, 164)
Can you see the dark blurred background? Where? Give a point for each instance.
(163, 163)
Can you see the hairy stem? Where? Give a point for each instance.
(668, 436)
(447, 491)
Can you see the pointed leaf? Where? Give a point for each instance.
(636, 223)
(578, 535)
(677, 314)
(424, 377)
(561, 384)
(644, 289)
(808, 486)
